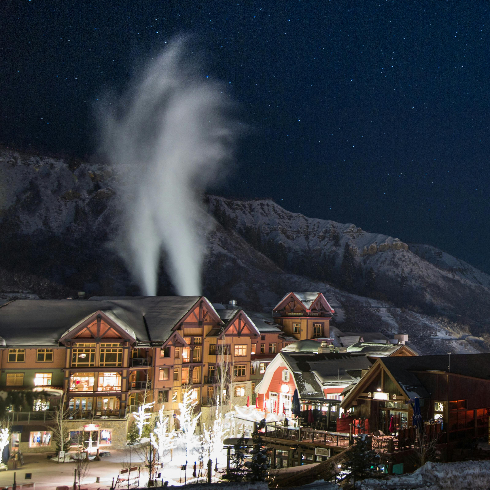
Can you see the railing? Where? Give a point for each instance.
(95, 414)
(140, 361)
(141, 385)
(41, 415)
(304, 434)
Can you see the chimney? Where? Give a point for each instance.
(233, 303)
(401, 337)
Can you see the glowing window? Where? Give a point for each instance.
(109, 382)
(163, 374)
(42, 379)
(239, 390)
(15, 379)
(240, 350)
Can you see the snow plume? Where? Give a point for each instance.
(168, 138)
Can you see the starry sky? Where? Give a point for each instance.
(374, 113)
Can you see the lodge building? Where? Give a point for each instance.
(104, 356)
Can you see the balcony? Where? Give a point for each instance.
(140, 361)
(74, 414)
(141, 385)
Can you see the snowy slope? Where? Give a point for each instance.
(58, 219)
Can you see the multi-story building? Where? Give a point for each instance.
(101, 358)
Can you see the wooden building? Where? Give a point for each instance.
(451, 389)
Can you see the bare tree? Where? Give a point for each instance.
(61, 432)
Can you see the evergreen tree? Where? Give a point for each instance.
(238, 471)
(362, 460)
(258, 466)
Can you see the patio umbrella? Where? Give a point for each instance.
(417, 414)
(295, 407)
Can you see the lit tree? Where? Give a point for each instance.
(4, 440)
(188, 422)
(141, 417)
(214, 436)
(161, 439)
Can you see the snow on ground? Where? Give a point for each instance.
(463, 475)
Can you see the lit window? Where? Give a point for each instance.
(165, 352)
(186, 354)
(198, 340)
(239, 370)
(109, 382)
(185, 376)
(239, 390)
(262, 348)
(254, 346)
(272, 348)
(15, 379)
(177, 353)
(317, 329)
(38, 439)
(82, 382)
(44, 355)
(163, 374)
(197, 354)
(176, 375)
(17, 355)
(105, 437)
(262, 367)
(42, 379)
(212, 349)
(240, 350)
(196, 375)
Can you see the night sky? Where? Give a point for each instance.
(373, 113)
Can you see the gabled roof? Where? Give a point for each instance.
(403, 371)
(308, 300)
(43, 322)
(312, 372)
(114, 323)
(240, 324)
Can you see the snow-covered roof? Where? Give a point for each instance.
(43, 322)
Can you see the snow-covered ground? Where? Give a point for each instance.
(444, 476)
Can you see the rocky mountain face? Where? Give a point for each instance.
(58, 219)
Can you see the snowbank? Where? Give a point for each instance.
(444, 476)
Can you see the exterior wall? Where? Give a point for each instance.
(30, 366)
(277, 385)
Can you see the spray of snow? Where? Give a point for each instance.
(169, 138)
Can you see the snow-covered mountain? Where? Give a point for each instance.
(58, 218)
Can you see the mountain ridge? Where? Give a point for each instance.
(59, 216)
